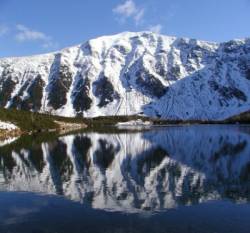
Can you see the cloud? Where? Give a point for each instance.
(3, 30)
(26, 34)
(156, 28)
(129, 9)
(139, 16)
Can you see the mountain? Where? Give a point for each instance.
(133, 73)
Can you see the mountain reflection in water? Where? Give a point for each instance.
(131, 172)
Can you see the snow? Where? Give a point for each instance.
(134, 124)
(183, 66)
(7, 126)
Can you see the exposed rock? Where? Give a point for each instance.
(35, 94)
(131, 74)
(61, 80)
(6, 90)
(150, 85)
(82, 102)
(104, 90)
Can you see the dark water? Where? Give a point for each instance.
(193, 179)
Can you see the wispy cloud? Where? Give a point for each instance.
(3, 30)
(126, 9)
(26, 34)
(129, 9)
(139, 16)
(156, 28)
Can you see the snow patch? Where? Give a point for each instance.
(134, 124)
(7, 126)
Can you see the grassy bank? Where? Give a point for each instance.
(243, 118)
(34, 122)
(37, 122)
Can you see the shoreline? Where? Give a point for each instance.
(62, 127)
(7, 134)
(16, 123)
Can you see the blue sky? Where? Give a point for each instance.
(38, 26)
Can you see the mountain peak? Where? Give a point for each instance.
(132, 73)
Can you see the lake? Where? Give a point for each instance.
(174, 179)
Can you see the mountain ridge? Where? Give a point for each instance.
(133, 73)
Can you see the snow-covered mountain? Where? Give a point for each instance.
(133, 73)
(163, 169)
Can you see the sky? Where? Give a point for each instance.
(29, 27)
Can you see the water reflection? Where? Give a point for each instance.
(130, 172)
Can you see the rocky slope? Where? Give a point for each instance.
(133, 73)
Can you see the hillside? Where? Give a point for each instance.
(133, 74)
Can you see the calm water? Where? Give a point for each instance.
(192, 179)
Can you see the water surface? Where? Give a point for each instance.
(173, 179)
